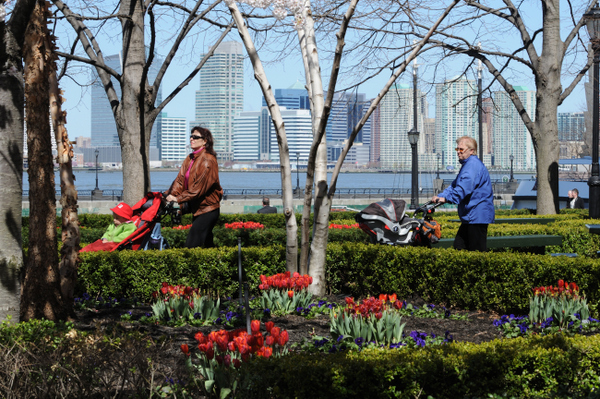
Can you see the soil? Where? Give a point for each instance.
(477, 328)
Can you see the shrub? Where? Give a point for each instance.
(538, 367)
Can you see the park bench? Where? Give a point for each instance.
(536, 242)
(517, 221)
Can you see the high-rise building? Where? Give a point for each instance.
(174, 138)
(221, 96)
(455, 116)
(396, 115)
(511, 137)
(571, 126)
(346, 111)
(246, 136)
(104, 128)
(251, 126)
(294, 97)
(298, 129)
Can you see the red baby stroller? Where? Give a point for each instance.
(147, 215)
(386, 223)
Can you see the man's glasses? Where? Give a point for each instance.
(194, 137)
(461, 150)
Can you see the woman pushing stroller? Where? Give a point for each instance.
(197, 189)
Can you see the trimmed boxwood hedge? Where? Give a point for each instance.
(539, 367)
(471, 280)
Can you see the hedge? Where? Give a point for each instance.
(539, 367)
(470, 280)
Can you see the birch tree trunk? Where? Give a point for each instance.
(40, 292)
(284, 153)
(313, 262)
(11, 154)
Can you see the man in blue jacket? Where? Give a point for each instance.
(472, 191)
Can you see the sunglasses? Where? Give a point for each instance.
(194, 137)
(461, 150)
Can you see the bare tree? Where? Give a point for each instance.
(320, 109)
(40, 293)
(549, 52)
(135, 111)
(12, 101)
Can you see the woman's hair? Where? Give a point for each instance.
(208, 138)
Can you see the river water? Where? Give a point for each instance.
(162, 179)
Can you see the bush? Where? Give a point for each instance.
(470, 280)
(41, 359)
(553, 366)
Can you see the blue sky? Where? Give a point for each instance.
(281, 74)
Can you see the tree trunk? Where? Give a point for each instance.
(284, 152)
(40, 292)
(11, 172)
(11, 155)
(549, 89)
(70, 223)
(134, 107)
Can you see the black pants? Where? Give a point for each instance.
(201, 234)
(472, 237)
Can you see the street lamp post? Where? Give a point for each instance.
(480, 107)
(96, 153)
(592, 20)
(512, 177)
(413, 139)
(298, 173)
(439, 158)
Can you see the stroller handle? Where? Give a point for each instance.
(427, 208)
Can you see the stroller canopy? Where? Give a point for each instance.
(390, 209)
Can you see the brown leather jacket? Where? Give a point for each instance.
(204, 191)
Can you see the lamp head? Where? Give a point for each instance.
(413, 136)
(592, 22)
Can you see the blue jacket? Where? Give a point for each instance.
(472, 191)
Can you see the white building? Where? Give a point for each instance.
(175, 138)
(510, 135)
(221, 96)
(298, 129)
(396, 115)
(246, 127)
(456, 115)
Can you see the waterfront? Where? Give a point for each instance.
(236, 180)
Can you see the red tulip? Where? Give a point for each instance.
(275, 332)
(200, 338)
(185, 349)
(269, 341)
(393, 298)
(561, 284)
(269, 325)
(255, 326)
(290, 294)
(283, 338)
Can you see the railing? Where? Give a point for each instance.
(375, 193)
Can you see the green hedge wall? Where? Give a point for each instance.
(548, 367)
(468, 280)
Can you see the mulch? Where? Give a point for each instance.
(477, 328)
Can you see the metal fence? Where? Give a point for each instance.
(499, 187)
